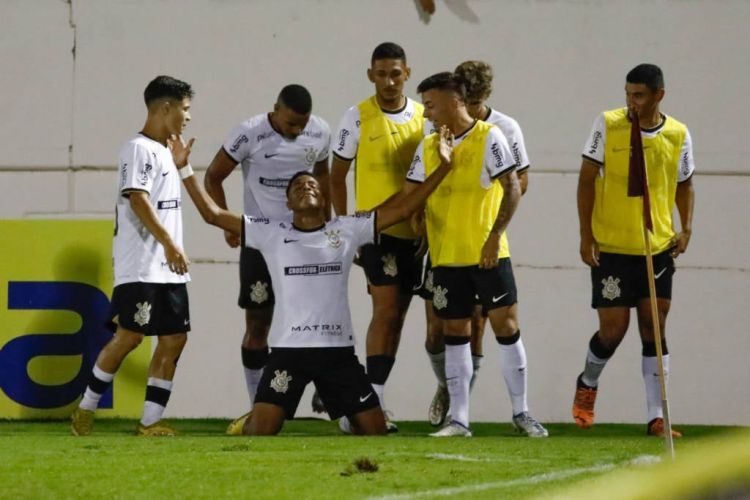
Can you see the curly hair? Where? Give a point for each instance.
(477, 78)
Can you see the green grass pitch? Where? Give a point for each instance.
(310, 459)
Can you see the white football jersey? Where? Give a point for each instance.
(146, 165)
(512, 131)
(269, 160)
(310, 275)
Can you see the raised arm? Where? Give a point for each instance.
(413, 195)
(207, 207)
(221, 166)
(586, 191)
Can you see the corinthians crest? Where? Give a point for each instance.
(259, 292)
(439, 299)
(389, 264)
(334, 240)
(280, 382)
(611, 289)
(310, 155)
(143, 314)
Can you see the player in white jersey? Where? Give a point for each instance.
(271, 147)
(477, 79)
(150, 295)
(311, 336)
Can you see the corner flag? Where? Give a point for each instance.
(637, 179)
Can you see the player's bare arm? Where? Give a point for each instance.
(221, 166)
(320, 171)
(207, 207)
(177, 261)
(511, 197)
(339, 170)
(523, 181)
(413, 196)
(586, 191)
(684, 199)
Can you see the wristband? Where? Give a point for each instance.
(186, 171)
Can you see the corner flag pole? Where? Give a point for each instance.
(638, 186)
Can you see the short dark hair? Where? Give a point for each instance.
(299, 174)
(388, 50)
(649, 75)
(477, 78)
(443, 81)
(167, 87)
(297, 98)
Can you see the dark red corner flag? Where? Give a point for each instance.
(637, 181)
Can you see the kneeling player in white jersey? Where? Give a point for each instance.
(271, 147)
(311, 337)
(150, 296)
(477, 79)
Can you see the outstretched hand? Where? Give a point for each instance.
(445, 147)
(180, 150)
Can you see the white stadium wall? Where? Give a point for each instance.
(71, 80)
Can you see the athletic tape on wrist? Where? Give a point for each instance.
(186, 171)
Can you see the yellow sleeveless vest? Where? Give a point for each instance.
(384, 155)
(617, 220)
(460, 212)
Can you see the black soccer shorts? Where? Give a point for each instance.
(151, 308)
(622, 280)
(457, 289)
(336, 372)
(256, 289)
(392, 261)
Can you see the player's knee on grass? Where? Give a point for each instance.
(266, 420)
(369, 422)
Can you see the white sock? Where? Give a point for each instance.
(437, 361)
(90, 400)
(252, 379)
(476, 361)
(650, 371)
(153, 411)
(513, 365)
(592, 369)
(380, 391)
(458, 377)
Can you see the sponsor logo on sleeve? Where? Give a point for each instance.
(342, 139)
(497, 155)
(242, 139)
(685, 164)
(517, 154)
(595, 142)
(413, 165)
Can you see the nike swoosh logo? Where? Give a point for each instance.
(271, 156)
(498, 299)
(656, 276)
(287, 240)
(375, 138)
(165, 173)
(363, 399)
